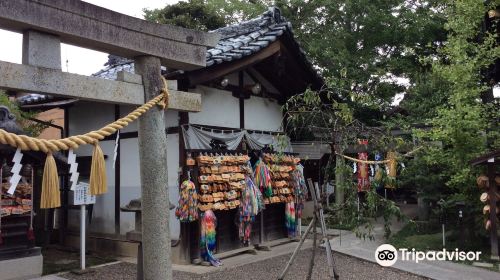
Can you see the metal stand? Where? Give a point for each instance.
(318, 215)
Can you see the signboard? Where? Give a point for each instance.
(81, 195)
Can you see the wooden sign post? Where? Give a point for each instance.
(47, 23)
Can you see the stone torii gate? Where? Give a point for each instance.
(45, 24)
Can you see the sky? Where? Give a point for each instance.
(74, 59)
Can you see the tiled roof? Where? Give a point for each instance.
(247, 37)
(111, 70)
(33, 98)
(237, 41)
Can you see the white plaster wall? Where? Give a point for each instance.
(87, 116)
(263, 114)
(218, 108)
(130, 180)
(171, 118)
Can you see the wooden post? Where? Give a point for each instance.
(493, 205)
(315, 239)
(153, 170)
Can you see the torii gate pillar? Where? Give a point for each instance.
(153, 169)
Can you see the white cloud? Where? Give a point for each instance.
(75, 59)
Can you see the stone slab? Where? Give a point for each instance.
(128, 77)
(482, 264)
(21, 268)
(40, 49)
(49, 81)
(90, 26)
(27, 78)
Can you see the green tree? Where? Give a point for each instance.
(463, 123)
(22, 117)
(456, 102)
(193, 14)
(367, 46)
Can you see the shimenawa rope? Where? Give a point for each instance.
(50, 197)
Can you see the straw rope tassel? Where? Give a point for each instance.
(98, 180)
(51, 197)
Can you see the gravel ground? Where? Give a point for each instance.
(347, 268)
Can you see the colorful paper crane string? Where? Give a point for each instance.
(262, 177)
(251, 204)
(187, 211)
(290, 222)
(300, 189)
(207, 238)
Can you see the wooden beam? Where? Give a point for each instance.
(210, 73)
(19, 77)
(86, 25)
(241, 98)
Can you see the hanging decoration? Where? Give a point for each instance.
(117, 146)
(363, 176)
(190, 160)
(73, 169)
(50, 197)
(379, 173)
(16, 169)
(251, 204)
(221, 180)
(300, 189)
(207, 238)
(262, 177)
(290, 221)
(280, 167)
(391, 170)
(187, 211)
(198, 137)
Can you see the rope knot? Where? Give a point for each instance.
(163, 103)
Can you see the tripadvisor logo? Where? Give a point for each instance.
(387, 255)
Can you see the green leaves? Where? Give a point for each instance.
(23, 118)
(194, 14)
(450, 97)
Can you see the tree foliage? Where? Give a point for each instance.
(463, 123)
(193, 14)
(23, 118)
(371, 46)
